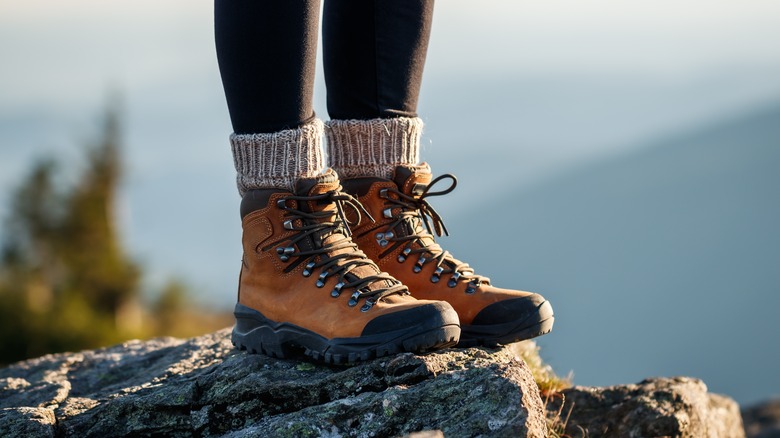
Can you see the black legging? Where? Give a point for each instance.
(374, 52)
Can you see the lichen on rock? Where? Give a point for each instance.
(203, 386)
(669, 407)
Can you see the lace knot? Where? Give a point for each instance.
(416, 209)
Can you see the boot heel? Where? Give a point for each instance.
(257, 334)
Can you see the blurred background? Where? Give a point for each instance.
(623, 159)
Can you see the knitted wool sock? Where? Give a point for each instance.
(372, 147)
(278, 159)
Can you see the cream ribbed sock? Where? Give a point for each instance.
(277, 159)
(372, 147)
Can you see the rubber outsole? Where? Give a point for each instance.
(255, 333)
(493, 335)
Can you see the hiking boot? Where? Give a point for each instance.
(401, 242)
(306, 288)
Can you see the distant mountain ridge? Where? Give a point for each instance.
(662, 261)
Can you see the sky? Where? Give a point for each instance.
(60, 58)
(537, 87)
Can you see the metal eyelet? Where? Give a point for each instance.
(454, 280)
(472, 287)
(288, 224)
(366, 307)
(281, 203)
(321, 279)
(285, 252)
(337, 290)
(419, 265)
(380, 239)
(388, 213)
(353, 300)
(308, 268)
(437, 275)
(383, 193)
(404, 254)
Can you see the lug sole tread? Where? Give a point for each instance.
(541, 328)
(442, 337)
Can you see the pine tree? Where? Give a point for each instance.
(65, 279)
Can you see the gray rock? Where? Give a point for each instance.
(762, 420)
(659, 407)
(27, 422)
(204, 387)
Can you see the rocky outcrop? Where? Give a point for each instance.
(204, 387)
(762, 420)
(660, 407)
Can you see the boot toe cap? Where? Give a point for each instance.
(531, 307)
(428, 316)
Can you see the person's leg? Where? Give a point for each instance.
(267, 52)
(374, 52)
(304, 286)
(374, 59)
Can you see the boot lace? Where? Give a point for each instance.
(415, 211)
(339, 257)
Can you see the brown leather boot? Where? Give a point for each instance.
(306, 287)
(401, 242)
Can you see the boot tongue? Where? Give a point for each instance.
(412, 179)
(313, 186)
(317, 185)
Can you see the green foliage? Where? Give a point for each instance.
(547, 380)
(66, 282)
(550, 387)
